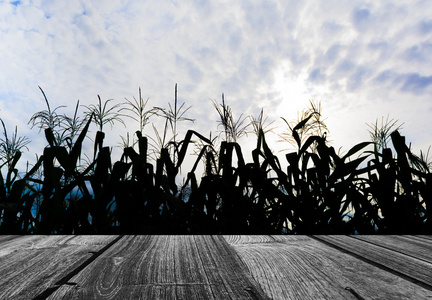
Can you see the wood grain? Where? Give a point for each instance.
(417, 269)
(298, 267)
(214, 267)
(31, 264)
(6, 238)
(427, 237)
(415, 247)
(164, 267)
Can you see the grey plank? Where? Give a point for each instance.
(164, 267)
(6, 238)
(427, 237)
(416, 269)
(31, 264)
(408, 245)
(298, 267)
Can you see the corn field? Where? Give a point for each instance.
(377, 186)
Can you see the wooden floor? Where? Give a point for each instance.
(215, 267)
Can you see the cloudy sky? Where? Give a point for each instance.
(362, 60)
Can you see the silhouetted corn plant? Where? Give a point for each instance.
(258, 124)
(71, 127)
(49, 119)
(380, 134)
(309, 123)
(16, 196)
(233, 130)
(137, 108)
(16, 200)
(384, 190)
(10, 146)
(400, 187)
(226, 200)
(103, 115)
(172, 117)
(59, 210)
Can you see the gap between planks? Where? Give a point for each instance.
(298, 267)
(48, 292)
(408, 267)
(130, 269)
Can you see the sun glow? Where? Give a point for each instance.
(291, 90)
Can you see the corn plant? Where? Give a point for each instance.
(16, 199)
(103, 115)
(16, 195)
(71, 127)
(138, 110)
(233, 130)
(383, 190)
(380, 134)
(309, 123)
(142, 116)
(149, 199)
(60, 181)
(207, 154)
(10, 146)
(49, 119)
(172, 115)
(400, 188)
(220, 203)
(258, 124)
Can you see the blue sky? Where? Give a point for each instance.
(362, 59)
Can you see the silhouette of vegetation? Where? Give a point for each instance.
(377, 186)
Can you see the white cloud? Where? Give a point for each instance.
(363, 60)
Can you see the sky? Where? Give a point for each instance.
(363, 60)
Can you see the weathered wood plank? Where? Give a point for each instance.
(31, 264)
(12, 243)
(409, 266)
(298, 267)
(408, 245)
(427, 237)
(6, 238)
(164, 267)
(260, 239)
(248, 239)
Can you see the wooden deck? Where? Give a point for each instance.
(215, 267)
